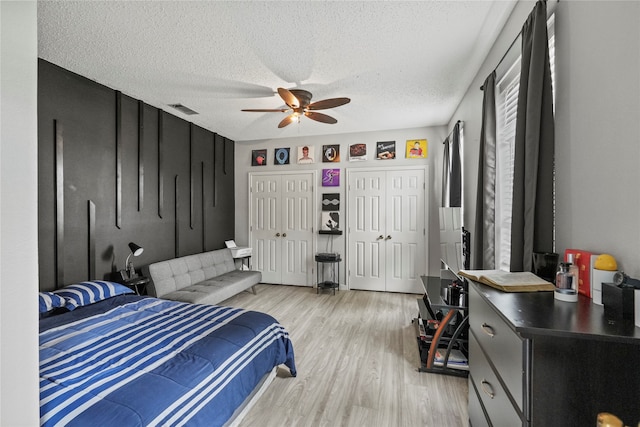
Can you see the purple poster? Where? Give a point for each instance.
(330, 177)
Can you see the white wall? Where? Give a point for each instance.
(433, 135)
(597, 125)
(18, 215)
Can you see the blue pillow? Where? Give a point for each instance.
(48, 301)
(85, 293)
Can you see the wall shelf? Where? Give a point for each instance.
(334, 232)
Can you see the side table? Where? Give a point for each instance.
(245, 262)
(138, 284)
(334, 263)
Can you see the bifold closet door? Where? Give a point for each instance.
(281, 227)
(386, 229)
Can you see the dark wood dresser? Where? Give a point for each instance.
(535, 361)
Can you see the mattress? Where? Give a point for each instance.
(139, 361)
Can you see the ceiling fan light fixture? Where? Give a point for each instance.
(299, 103)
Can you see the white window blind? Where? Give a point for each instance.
(507, 89)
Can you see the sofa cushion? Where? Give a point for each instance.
(216, 289)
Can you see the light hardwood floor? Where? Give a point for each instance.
(357, 361)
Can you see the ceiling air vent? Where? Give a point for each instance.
(184, 110)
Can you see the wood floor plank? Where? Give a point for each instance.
(357, 363)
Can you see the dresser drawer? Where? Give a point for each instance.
(489, 391)
(477, 416)
(503, 346)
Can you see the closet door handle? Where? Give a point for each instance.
(486, 388)
(380, 237)
(284, 234)
(277, 234)
(388, 238)
(488, 330)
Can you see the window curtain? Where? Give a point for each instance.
(533, 183)
(484, 242)
(451, 170)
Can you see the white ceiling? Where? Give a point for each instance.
(404, 64)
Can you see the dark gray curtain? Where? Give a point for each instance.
(533, 196)
(445, 174)
(451, 170)
(484, 249)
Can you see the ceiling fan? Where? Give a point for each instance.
(299, 103)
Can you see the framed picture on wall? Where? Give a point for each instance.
(386, 150)
(357, 152)
(281, 156)
(259, 157)
(330, 153)
(331, 201)
(416, 148)
(330, 221)
(330, 177)
(305, 154)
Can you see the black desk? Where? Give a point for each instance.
(579, 362)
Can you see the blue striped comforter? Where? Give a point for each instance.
(131, 361)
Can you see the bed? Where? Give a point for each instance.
(111, 358)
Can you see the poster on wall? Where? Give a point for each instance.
(330, 221)
(357, 152)
(386, 150)
(416, 148)
(259, 157)
(330, 153)
(305, 154)
(330, 177)
(281, 156)
(331, 201)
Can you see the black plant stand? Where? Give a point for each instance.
(334, 263)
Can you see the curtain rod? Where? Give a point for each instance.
(454, 128)
(514, 41)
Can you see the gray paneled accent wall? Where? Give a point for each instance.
(114, 170)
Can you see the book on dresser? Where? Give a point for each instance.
(523, 281)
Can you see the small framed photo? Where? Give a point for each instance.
(259, 157)
(330, 177)
(305, 154)
(330, 221)
(416, 148)
(331, 202)
(386, 150)
(357, 152)
(331, 153)
(281, 156)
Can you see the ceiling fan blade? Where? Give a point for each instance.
(328, 103)
(288, 97)
(287, 120)
(319, 117)
(267, 110)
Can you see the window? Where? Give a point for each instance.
(507, 88)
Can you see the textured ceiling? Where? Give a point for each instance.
(404, 64)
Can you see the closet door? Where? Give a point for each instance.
(405, 236)
(281, 231)
(366, 230)
(386, 229)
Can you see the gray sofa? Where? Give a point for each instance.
(205, 278)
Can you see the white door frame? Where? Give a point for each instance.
(314, 176)
(349, 171)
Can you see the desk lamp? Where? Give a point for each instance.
(135, 251)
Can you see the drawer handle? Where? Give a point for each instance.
(486, 387)
(488, 330)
